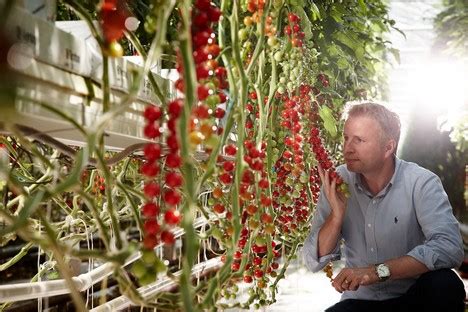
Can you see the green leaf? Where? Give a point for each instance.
(336, 16)
(329, 122)
(342, 63)
(305, 22)
(362, 5)
(333, 50)
(297, 3)
(315, 11)
(348, 40)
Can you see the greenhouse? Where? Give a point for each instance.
(233, 155)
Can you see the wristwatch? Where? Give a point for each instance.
(383, 271)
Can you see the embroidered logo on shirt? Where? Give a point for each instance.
(395, 220)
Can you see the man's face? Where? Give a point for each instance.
(363, 149)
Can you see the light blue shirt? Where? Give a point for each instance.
(410, 216)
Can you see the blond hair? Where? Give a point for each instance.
(388, 120)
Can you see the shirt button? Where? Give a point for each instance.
(373, 201)
(372, 249)
(369, 225)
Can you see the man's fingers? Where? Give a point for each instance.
(333, 184)
(341, 196)
(321, 174)
(333, 191)
(340, 278)
(326, 178)
(354, 285)
(365, 280)
(338, 287)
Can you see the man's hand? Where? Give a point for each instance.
(336, 199)
(352, 278)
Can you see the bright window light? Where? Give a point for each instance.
(440, 87)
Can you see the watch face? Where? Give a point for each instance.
(383, 271)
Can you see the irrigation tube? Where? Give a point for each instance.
(166, 283)
(26, 291)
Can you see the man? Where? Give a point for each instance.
(400, 235)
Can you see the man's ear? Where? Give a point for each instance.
(390, 148)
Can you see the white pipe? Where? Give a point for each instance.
(147, 291)
(26, 291)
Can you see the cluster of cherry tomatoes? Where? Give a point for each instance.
(154, 229)
(293, 30)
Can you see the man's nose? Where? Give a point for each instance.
(347, 148)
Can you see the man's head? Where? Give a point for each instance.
(388, 121)
(371, 136)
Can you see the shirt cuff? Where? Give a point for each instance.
(310, 255)
(425, 255)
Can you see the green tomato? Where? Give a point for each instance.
(149, 257)
(216, 233)
(139, 269)
(159, 266)
(282, 80)
(272, 41)
(150, 24)
(281, 89)
(296, 71)
(260, 241)
(212, 100)
(212, 142)
(147, 279)
(278, 4)
(243, 34)
(210, 85)
(247, 45)
(114, 49)
(278, 56)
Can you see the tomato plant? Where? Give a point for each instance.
(260, 88)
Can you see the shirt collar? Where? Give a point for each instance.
(360, 186)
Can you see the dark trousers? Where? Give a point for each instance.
(440, 290)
